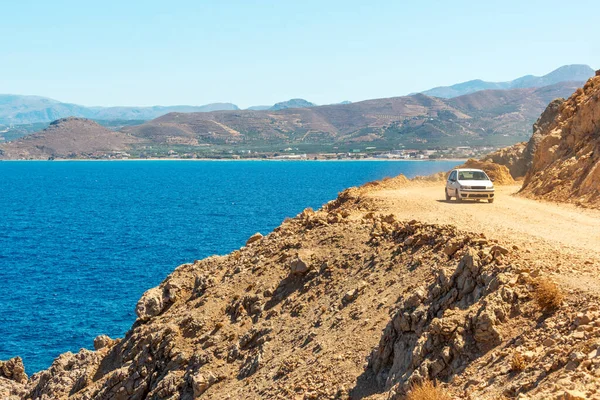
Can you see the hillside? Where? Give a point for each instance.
(20, 110)
(476, 118)
(68, 138)
(491, 117)
(359, 300)
(566, 163)
(565, 73)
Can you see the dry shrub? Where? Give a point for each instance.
(547, 295)
(427, 390)
(517, 362)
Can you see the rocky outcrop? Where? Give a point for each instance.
(566, 163)
(518, 158)
(499, 174)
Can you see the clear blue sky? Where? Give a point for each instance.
(260, 52)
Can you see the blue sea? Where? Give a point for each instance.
(81, 241)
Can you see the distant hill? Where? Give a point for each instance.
(20, 110)
(489, 117)
(480, 117)
(293, 103)
(576, 72)
(68, 138)
(258, 108)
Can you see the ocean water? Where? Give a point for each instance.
(81, 241)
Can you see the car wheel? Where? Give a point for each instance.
(448, 197)
(490, 200)
(457, 194)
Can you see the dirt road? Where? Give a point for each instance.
(562, 239)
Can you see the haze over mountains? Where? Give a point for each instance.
(20, 110)
(575, 72)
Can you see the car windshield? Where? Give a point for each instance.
(472, 176)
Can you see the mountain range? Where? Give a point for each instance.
(22, 110)
(489, 117)
(575, 72)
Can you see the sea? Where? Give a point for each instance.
(80, 241)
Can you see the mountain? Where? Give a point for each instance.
(411, 120)
(293, 103)
(258, 108)
(565, 73)
(68, 138)
(490, 117)
(18, 109)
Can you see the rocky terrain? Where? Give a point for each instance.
(519, 157)
(68, 138)
(355, 300)
(566, 164)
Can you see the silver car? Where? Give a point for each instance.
(467, 183)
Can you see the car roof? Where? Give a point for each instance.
(468, 169)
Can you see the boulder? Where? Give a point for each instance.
(13, 370)
(298, 266)
(254, 238)
(150, 305)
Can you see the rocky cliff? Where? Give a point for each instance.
(566, 162)
(343, 302)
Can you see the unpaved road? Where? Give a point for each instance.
(562, 239)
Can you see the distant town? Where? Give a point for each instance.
(293, 153)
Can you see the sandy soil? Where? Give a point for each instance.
(563, 238)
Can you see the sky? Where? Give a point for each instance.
(194, 52)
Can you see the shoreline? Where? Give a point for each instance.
(240, 160)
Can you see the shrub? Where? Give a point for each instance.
(547, 295)
(517, 362)
(427, 390)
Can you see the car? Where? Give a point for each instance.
(468, 183)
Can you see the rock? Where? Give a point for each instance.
(102, 341)
(574, 395)
(254, 238)
(13, 370)
(548, 342)
(298, 266)
(350, 296)
(452, 247)
(150, 305)
(498, 250)
(201, 382)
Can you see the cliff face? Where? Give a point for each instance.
(519, 157)
(566, 163)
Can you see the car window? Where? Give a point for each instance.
(452, 176)
(472, 176)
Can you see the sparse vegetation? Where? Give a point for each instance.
(517, 362)
(427, 390)
(547, 295)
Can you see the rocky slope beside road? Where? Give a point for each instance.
(519, 157)
(344, 302)
(566, 164)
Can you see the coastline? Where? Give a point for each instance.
(241, 160)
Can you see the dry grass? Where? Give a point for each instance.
(547, 295)
(517, 362)
(427, 390)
